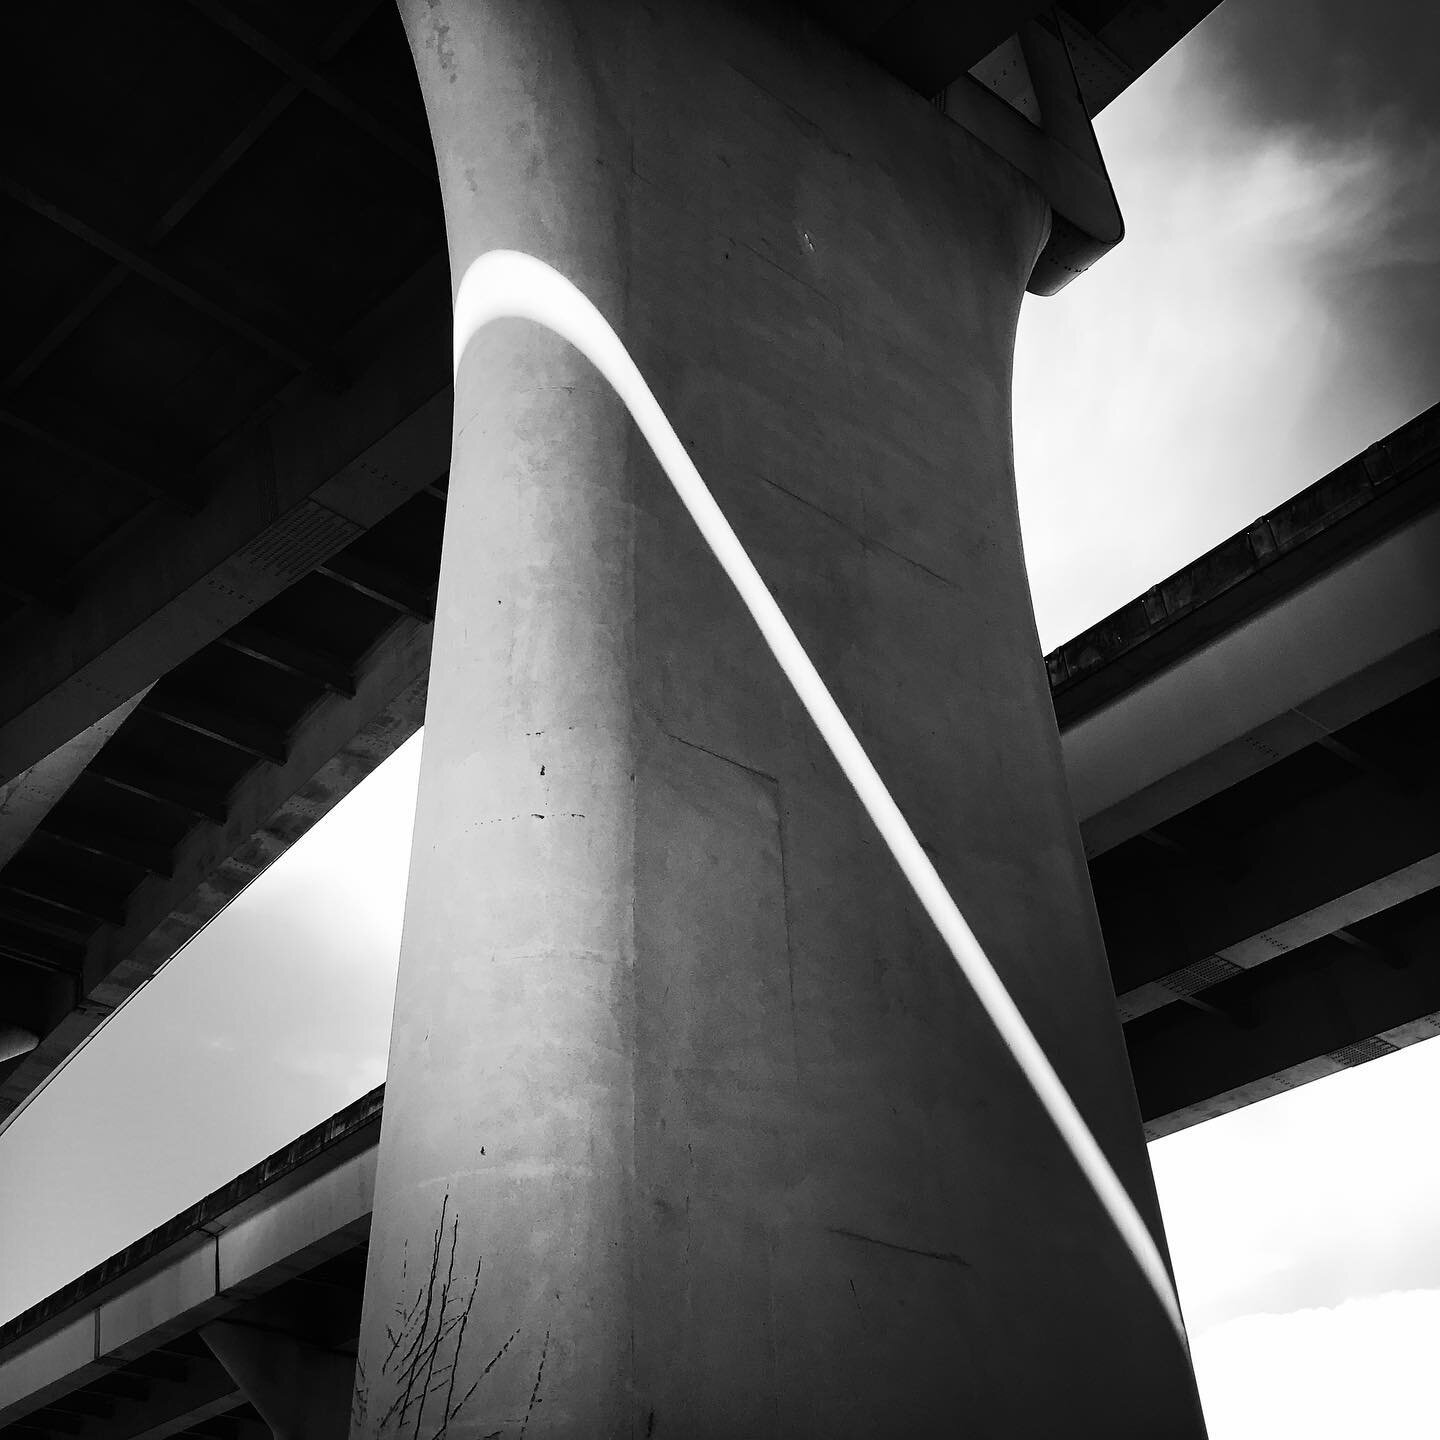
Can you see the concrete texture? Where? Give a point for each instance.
(692, 1128)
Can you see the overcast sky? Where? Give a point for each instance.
(1271, 312)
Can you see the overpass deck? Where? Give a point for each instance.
(217, 618)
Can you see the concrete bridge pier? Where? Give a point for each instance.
(692, 1128)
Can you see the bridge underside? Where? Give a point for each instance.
(225, 426)
(233, 485)
(1250, 750)
(289, 627)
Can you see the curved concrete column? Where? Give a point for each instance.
(692, 1128)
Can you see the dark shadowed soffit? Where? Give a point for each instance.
(225, 294)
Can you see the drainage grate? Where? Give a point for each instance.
(1363, 1050)
(1200, 976)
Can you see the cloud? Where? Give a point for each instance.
(1365, 1367)
(1271, 312)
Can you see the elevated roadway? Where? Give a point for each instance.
(235, 1320)
(1249, 747)
(226, 432)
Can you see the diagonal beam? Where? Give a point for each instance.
(165, 490)
(66, 326)
(421, 161)
(196, 191)
(300, 355)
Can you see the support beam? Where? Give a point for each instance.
(28, 884)
(184, 203)
(218, 722)
(381, 583)
(118, 1387)
(45, 952)
(301, 353)
(282, 496)
(294, 658)
(83, 1405)
(18, 908)
(301, 1391)
(340, 742)
(171, 1407)
(323, 89)
(691, 1126)
(53, 1423)
(172, 492)
(1385, 954)
(126, 774)
(1316, 1011)
(66, 326)
(28, 799)
(109, 844)
(1308, 871)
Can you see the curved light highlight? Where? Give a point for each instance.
(505, 284)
